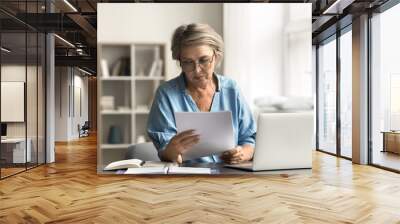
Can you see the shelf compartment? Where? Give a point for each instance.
(118, 60)
(144, 94)
(141, 126)
(121, 91)
(122, 127)
(146, 57)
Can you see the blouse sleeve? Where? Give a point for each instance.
(161, 125)
(247, 125)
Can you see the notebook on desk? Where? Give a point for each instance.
(137, 166)
(136, 163)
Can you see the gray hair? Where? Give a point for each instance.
(196, 34)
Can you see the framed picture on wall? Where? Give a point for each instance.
(12, 101)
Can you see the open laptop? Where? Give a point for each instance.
(284, 141)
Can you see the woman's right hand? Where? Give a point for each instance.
(179, 144)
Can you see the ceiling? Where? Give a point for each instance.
(76, 22)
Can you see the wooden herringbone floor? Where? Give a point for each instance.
(70, 191)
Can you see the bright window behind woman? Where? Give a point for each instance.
(327, 96)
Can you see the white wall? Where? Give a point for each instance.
(14, 73)
(81, 84)
(268, 48)
(61, 103)
(297, 51)
(68, 81)
(253, 43)
(148, 22)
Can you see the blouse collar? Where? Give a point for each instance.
(182, 82)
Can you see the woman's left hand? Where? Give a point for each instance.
(238, 154)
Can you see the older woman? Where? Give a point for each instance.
(198, 49)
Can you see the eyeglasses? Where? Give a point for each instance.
(203, 62)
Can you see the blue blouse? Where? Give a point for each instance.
(172, 97)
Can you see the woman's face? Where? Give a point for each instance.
(198, 63)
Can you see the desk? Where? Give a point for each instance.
(219, 169)
(13, 150)
(391, 141)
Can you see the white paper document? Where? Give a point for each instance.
(168, 170)
(188, 170)
(147, 170)
(215, 130)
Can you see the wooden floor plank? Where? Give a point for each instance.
(70, 191)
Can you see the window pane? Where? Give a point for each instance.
(346, 94)
(386, 89)
(31, 99)
(13, 87)
(41, 98)
(327, 97)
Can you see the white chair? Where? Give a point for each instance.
(143, 151)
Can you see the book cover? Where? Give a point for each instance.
(116, 68)
(153, 68)
(158, 71)
(104, 68)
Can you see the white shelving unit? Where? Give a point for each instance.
(132, 89)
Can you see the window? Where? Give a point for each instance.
(327, 97)
(22, 65)
(395, 102)
(385, 89)
(346, 93)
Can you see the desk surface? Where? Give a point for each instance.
(390, 132)
(219, 169)
(13, 140)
